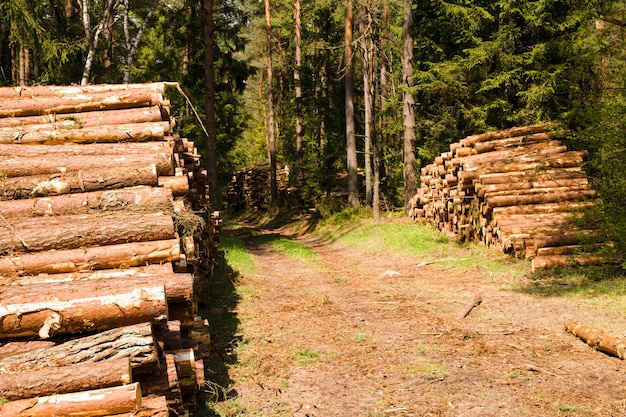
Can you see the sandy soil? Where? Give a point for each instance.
(355, 333)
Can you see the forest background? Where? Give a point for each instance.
(351, 95)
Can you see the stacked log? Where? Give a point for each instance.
(519, 190)
(106, 237)
(249, 189)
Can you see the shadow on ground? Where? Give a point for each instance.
(218, 304)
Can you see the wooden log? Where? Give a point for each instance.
(101, 402)
(166, 384)
(526, 153)
(562, 160)
(134, 342)
(521, 176)
(179, 287)
(21, 346)
(71, 311)
(137, 199)
(507, 133)
(464, 312)
(64, 379)
(77, 182)
(150, 407)
(77, 103)
(558, 207)
(540, 198)
(131, 132)
(515, 187)
(75, 231)
(179, 184)
(87, 119)
(19, 160)
(513, 142)
(25, 92)
(98, 257)
(546, 262)
(614, 346)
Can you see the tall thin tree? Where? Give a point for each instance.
(297, 23)
(270, 105)
(209, 101)
(351, 165)
(408, 111)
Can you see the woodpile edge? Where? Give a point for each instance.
(519, 190)
(107, 237)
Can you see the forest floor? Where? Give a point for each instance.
(356, 332)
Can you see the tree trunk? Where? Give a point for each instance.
(507, 133)
(64, 379)
(141, 199)
(365, 29)
(92, 43)
(96, 257)
(270, 103)
(209, 99)
(71, 311)
(101, 402)
(351, 160)
(132, 47)
(408, 111)
(75, 231)
(297, 11)
(138, 132)
(134, 342)
(69, 102)
(77, 182)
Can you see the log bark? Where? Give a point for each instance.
(150, 407)
(137, 132)
(101, 402)
(15, 347)
(77, 103)
(550, 261)
(137, 199)
(77, 182)
(71, 311)
(26, 92)
(179, 287)
(521, 176)
(558, 207)
(476, 301)
(87, 119)
(64, 379)
(19, 160)
(515, 187)
(134, 342)
(569, 159)
(98, 257)
(614, 346)
(507, 133)
(513, 142)
(75, 231)
(540, 198)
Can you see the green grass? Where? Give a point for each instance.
(236, 254)
(293, 249)
(306, 356)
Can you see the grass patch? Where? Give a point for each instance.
(236, 254)
(306, 356)
(428, 368)
(292, 248)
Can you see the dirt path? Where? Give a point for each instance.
(342, 335)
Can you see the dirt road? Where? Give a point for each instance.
(359, 333)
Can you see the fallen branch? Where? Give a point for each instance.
(473, 304)
(614, 346)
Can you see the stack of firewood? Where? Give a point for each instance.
(249, 188)
(106, 236)
(519, 189)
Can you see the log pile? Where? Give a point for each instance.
(249, 189)
(107, 236)
(518, 189)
